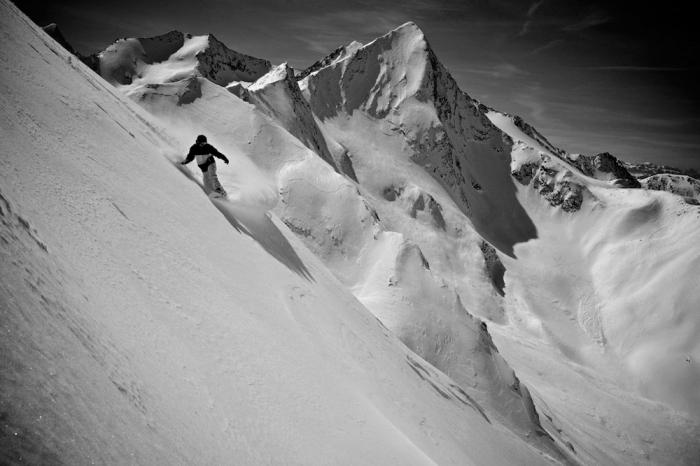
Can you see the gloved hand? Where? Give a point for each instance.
(225, 160)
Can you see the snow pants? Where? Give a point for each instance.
(211, 181)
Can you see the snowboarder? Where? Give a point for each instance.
(205, 154)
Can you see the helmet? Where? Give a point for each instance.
(201, 138)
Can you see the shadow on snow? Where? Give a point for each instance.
(258, 225)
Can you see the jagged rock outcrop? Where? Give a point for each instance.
(127, 59)
(493, 267)
(646, 169)
(222, 65)
(337, 54)
(277, 95)
(159, 48)
(398, 79)
(682, 185)
(457, 343)
(536, 135)
(55, 33)
(604, 166)
(419, 204)
(552, 180)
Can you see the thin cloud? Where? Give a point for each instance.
(530, 13)
(535, 105)
(500, 71)
(533, 8)
(549, 45)
(525, 28)
(636, 68)
(323, 33)
(620, 119)
(593, 19)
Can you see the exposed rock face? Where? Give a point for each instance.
(525, 172)
(558, 190)
(536, 135)
(419, 204)
(221, 65)
(122, 61)
(398, 79)
(346, 167)
(646, 169)
(426, 203)
(55, 33)
(337, 54)
(126, 59)
(553, 181)
(159, 48)
(682, 185)
(494, 268)
(277, 94)
(604, 166)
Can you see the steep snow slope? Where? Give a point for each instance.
(579, 278)
(140, 326)
(320, 205)
(433, 166)
(342, 226)
(277, 95)
(398, 80)
(609, 289)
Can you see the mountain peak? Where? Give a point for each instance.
(409, 27)
(126, 60)
(408, 35)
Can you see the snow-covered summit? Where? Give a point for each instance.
(338, 54)
(128, 60)
(277, 94)
(397, 79)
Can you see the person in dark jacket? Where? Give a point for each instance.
(205, 153)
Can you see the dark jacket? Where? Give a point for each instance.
(205, 156)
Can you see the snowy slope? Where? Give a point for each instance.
(593, 293)
(397, 82)
(682, 185)
(342, 226)
(277, 95)
(392, 177)
(142, 326)
(434, 168)
(608, 288)
(130, 59)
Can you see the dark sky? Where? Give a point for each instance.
(592, 76)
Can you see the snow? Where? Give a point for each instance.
(338, 306)
(619, 307)
(143, 326)
(682, 185)
(506, 124)
(651, 335)
(575, 291)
